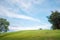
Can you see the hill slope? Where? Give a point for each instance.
(32, 35)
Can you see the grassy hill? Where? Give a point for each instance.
(32, 35)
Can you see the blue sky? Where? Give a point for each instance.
(28, 14)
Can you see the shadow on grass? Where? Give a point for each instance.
(3, 35)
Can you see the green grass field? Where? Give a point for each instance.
(32, 35)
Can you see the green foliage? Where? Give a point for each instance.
(40, 29)
(32, 35)
(3, 25)
(54, 19)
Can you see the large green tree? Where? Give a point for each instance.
(54, 19)
(3, 25)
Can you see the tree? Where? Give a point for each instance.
(3, 25)
(40, 29)
(54, 19)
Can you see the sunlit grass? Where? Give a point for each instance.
(32, 35)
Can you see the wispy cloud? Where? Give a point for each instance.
(13, 8)
(22, 28)
(44, 26)
(6, 12)
(26, 5)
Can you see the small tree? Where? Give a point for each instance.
(40, 29)
(54, 19)
(3, 25)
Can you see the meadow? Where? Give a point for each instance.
(31, 35)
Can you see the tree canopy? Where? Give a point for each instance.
(3, 25)
(54, 19)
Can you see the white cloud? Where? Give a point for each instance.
(18, 28)
(26, 5)
(21, 28)
(5, 12)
